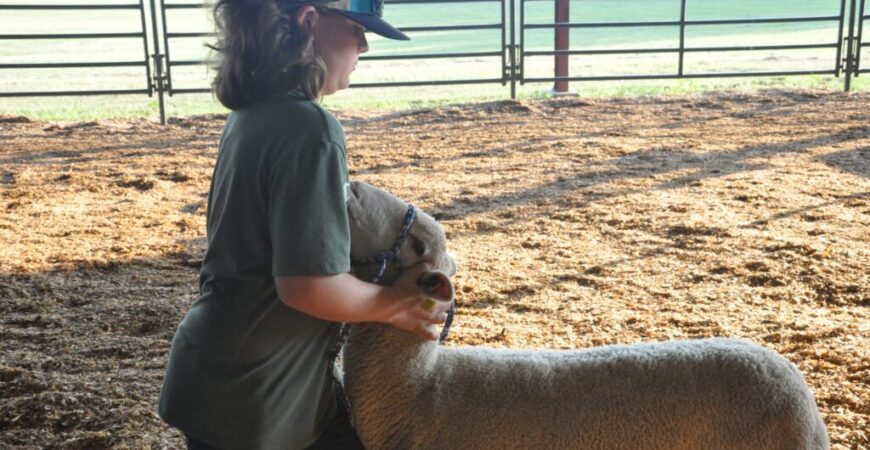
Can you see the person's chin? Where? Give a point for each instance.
(331, 87)
(344, 84)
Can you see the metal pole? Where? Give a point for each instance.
(682, 34)
(158, 63)
(849, 48)
(145, 47)
(513, 55)
(562, 42)
(504, 69)
(838, 63)
(166, 47)
(521, 64)
(860, 39)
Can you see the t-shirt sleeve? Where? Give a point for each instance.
(308, 218)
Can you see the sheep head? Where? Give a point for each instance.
(377, 218)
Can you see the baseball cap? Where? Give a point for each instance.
(367, 13)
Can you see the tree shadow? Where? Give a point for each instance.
(806, 209)
(528, 146)
(644, 164)
(75, 332)
(773, 102)
(88, 153)
(856, 162)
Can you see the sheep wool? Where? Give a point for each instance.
(406, 393)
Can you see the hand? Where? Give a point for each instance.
(422, 301)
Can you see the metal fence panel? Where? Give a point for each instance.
(511, 50)
(174, 37)
(681, 50)
(95, 37)
(864, 15)
(171, 39)
(498, 23)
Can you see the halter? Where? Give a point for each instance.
(391, 255)
(383, 259)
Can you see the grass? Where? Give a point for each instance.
(105, 107)
(84, 108)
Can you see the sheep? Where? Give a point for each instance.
(406, 393)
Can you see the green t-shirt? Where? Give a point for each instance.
(246, 371)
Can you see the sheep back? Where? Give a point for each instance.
(712, 393)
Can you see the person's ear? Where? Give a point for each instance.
(307, 17)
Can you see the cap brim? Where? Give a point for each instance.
(375, 24)
(295, 4)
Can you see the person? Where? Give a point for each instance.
(248, 364)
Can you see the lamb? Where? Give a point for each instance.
(696, 394)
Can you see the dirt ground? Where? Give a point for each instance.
(575, 222)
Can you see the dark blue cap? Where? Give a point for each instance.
(368, 13)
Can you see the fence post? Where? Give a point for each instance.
(682, 36)
(521, 51)
(838, 63)
(145, 47)
(850, 41)
(166, 57)
(158, 64)
(512, 51)
(860, 40)
(562, 43)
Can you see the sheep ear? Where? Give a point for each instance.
(437, 285)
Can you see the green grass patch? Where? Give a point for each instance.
(106, 107)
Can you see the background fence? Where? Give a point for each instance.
(137, 34)
(834, 48)
(504, 42)
(497, 22)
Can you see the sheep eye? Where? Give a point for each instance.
(419, 247)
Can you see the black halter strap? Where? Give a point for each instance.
(383, 259)
(390, 256)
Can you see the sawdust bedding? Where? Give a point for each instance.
(575, 222)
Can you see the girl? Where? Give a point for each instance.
(248, 364)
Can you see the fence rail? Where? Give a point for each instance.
(864, 17)
(158, 62)
(147, 88)
(501, 25)
(849, 65)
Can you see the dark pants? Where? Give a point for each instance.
(338, 435)
(193, 444)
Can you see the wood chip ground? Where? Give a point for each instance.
(575, 222)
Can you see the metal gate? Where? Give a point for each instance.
(509, 53)
(859, 44)
(844, 49)
(139, 34)
(498, 22)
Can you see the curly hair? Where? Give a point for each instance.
(262, 51)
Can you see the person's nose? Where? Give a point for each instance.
(362, 43)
